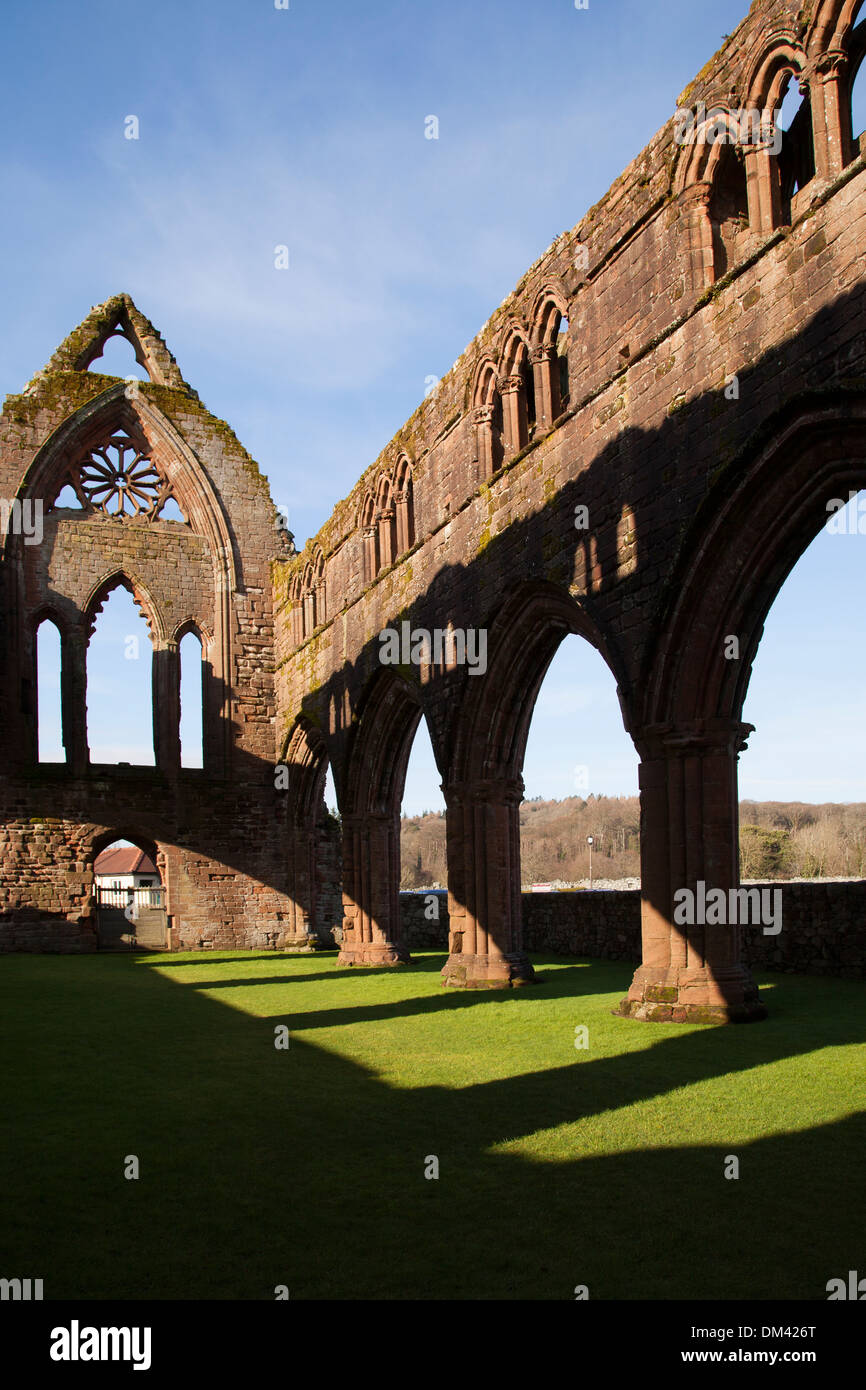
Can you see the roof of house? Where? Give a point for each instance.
(124, 860)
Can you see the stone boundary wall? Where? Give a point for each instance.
(823, 927)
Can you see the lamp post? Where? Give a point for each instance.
(589, 842)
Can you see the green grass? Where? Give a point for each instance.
(305, 1167)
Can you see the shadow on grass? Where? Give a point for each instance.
(261, 1167)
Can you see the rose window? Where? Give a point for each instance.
(120, 480)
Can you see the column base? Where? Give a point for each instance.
(300, 945)
(692, 996)
(488, 972)
(374, 953)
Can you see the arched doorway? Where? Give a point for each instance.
(129, 897)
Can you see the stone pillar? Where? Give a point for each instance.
(764, 187)
(166, 708)
(695, 205)
(690, 836)
(405, 538)
(484, 902)
(515, 422)
(831, 113)
(73, 699)
(370, 536)
(545, 370)
(300, 937)
(372, 930)
(386, 537)
(483, 418)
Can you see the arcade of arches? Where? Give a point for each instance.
(636, 448)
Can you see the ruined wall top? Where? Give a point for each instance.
(590, 275)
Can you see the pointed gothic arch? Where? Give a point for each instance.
(374, 774)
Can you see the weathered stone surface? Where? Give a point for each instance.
(645, 479)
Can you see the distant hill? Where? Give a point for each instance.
(777, 840)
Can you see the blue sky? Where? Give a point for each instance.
(304, 128)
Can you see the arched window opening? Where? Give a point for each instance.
(518, 396)
(309, 602)
(119, 478)
(858, 98)
(191, 657)
(580, 778)
(549, 359)
(802, 779)
(67, 497)
(48, 686)
(386, 519)
(422, 834)
(129, 898)
(296, 598)
(172, 512)
(729, 210)
(797, 154)
(119, 684)
(369, 541)
(488, 421)
(529, 393)
(404, 506)
(562, 342)
(118, 359)
(319, 608)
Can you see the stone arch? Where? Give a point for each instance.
(404, 503)
(386, 522)
(296, 600)
(487, 419)
(711, 187)
(98, 419)
(517, 390)
(832, 54)
(374, 774)
(550, 367)
(121, 578)
(777, 60)
(310, 593)
(484, 787)
(305, 758)
(369, 529)
(523, 638)
(831, 27)
(747, 537)
(45, 613)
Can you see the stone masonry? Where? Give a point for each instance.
(637, 447)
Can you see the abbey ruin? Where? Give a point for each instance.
(637, 447)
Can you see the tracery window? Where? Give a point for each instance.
(120, 480)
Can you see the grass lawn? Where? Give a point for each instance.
(603, 1166)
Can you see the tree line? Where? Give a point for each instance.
(778, 840)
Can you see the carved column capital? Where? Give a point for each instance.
(696, 195)
(543, 352)
(826, 67)
(693, 738)
(510, 385)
